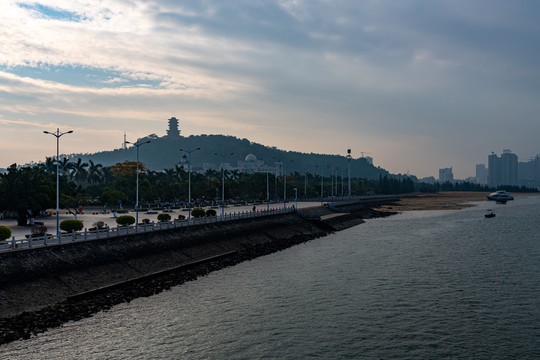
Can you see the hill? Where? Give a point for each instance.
(164, 152)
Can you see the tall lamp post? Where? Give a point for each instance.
(189, 151)
(332, 183)
(223, 183)
(57, 134)
(322, 182)
(285, 184)
(137, 144)
(267, 191)
(349, 169)
(305, 184)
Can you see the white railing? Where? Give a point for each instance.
(30, 242)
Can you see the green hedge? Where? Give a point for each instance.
(71, 224)
(164, 217)
(5, 233)
(211, 212)
(125, 220)
(198, 212)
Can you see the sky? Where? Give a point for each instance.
(416, 84)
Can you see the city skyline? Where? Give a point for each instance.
(415, 85)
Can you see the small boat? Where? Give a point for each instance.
(500, 195)
(489, 214)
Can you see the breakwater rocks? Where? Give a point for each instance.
(46, 287)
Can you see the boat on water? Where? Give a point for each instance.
(500, 195)
(489, 214)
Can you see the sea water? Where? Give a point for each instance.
(418, 285)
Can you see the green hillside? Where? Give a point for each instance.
(163, 153)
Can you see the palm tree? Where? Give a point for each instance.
(94, 172)
(65, 165)
(106, 174)
(179, 172)
(49, 165)
(79, 173)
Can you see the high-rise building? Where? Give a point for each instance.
(503, 170)
(481, 173)
(173, 131)
(509, 162)
(446, 174)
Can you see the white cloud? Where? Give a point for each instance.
(376, 70)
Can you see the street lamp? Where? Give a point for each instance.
(349, 169)
(332, 183)
(296, 198)
(223, 183)
(57, 134)
(267, 190)
(189, 151)
(322, 182)
(285, 183)
(305, 184)
(137, 144)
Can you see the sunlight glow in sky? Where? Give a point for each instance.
(418, 85)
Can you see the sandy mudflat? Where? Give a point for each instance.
(436, 201)
(454, 200)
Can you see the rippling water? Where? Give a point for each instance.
(446, 284)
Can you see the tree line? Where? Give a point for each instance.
(30, 190)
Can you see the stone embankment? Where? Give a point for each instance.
(46, 287)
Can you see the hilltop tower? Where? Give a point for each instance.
(173, 131)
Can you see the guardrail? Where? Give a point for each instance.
(111, 232)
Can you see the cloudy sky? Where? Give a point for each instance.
(416, 84)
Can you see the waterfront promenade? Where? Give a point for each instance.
(91, 215)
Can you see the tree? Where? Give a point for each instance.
(127, 168)
(94, 172)
(26, 189)
(49, 165)
(79, 172)
(65, 166)
(112, 197)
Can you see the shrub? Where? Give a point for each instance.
(70, 225)
(5, 233)
(181, 217)
(211, 212)
(164, 217)
(99, 225)
(125, 220)
(146, 221)
(122, 211)
(198, 212)
(38, 230)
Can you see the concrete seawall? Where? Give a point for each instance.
(45, 287)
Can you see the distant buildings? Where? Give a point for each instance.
(529, 172)
(503, 170)
(481, 174)
(249, 165)
(446, 174)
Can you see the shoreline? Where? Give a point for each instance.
(223, 246)
(79, 280)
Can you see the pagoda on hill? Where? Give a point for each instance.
(173, 132)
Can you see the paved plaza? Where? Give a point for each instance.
(91, 215)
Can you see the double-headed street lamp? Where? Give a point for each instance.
(57, 134)
(137, 144)
(285, 183)
(223, 182)
(349, 170)
(189, 151)
(322, 182)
